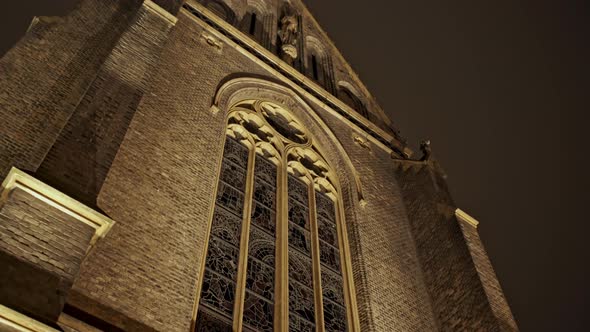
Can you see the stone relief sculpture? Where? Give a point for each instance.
(288, 34)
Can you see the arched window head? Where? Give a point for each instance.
(347, 93)
(256, 21)
(318, 64)
(221, 9)
(274, 258)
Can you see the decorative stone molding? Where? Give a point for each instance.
(238, 90)
(156, 9)
(463, 216)
(292, 77)
(14, 321)
(212, 41)
(44, 237)
(363, 142)
(18, 179)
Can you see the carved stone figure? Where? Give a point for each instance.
(288, 34)
(426, 150)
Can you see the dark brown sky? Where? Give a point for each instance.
(498, 86)
(501, 88)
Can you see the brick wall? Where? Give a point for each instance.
(488, 278)
(390, 288)
(457, 296)
(44, 76)
(41, 249)
(143, 146)
(159, 190)
(82, 154)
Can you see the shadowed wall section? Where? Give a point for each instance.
(488, 277)
(82, 155)
(43, 78)
(458, 298)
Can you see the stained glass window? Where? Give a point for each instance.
(332, 291)
(221, 266)
(259, 300)
(259, 201)
(301, 296)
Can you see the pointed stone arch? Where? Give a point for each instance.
(222, 9)
(350, 96)
(318, 63)
(258, 22)
(350, 198)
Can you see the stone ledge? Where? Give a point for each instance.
(13, 321)
(44, 237)
(54, 198)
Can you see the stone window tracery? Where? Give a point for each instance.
(273, 260)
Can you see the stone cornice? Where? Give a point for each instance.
(463, 216)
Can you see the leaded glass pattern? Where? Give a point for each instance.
(313, 244)
(332, 285)
(325, 207)
(209, 321)
(259, 299)
(218, 293)
(258, 312)
(329, 256)
(298, 324)
(334, 317)
(301, 295)
(300, 268)
(298, 191)
(263, 218)
(218, 289)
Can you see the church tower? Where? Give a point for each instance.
(216, 165)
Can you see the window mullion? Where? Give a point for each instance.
(347, 277)
(317, 278)
(281, 322)
(244, 238)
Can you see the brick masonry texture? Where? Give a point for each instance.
(40, 246)
(458, 298)
(488, 279)
(390, 289)
(100, 121)
(122, 121)
(45, 75)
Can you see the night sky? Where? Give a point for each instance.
(500, 87)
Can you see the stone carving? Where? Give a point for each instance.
(288, 34)
(426, 150)
(363, 142)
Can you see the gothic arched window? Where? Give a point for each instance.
(221, 9)
(350, 98)
(319, 64)
(274, 259)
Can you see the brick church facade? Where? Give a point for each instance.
(216, 165)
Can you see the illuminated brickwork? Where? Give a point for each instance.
(123, 105)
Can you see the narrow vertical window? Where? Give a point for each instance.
(259, 299)
(301, 295)
(332, 291)
(314, 67)
(221, 266)
(252, 24)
